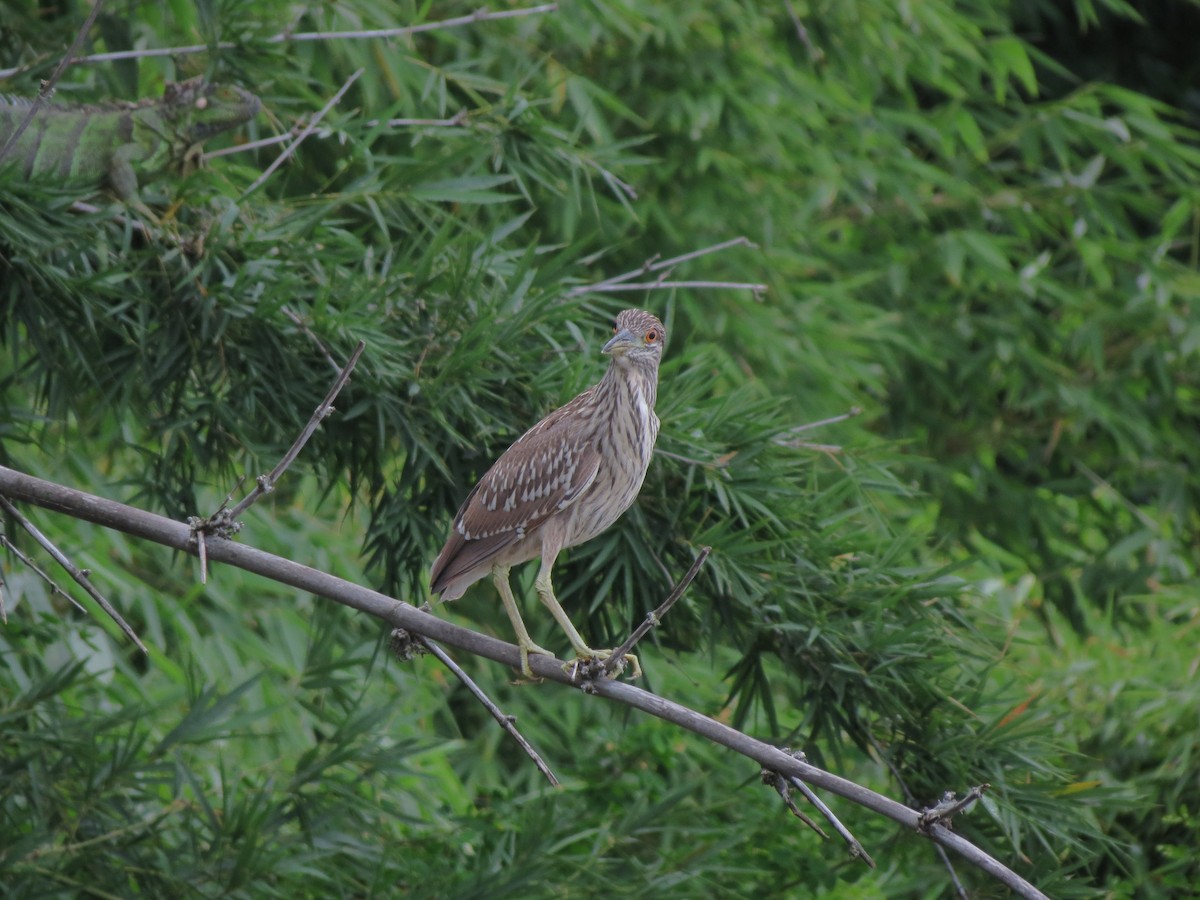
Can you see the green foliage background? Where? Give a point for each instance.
(977, 222)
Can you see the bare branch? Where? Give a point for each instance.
(783, 439)
(815, 53)
(308, 129)
(80, 575)
(54, 849)
(1148, 521)
(303, 326)
(784, 784)
(162, 530)
(266, 483)
(50, 582)
(202, 553)
(857, 850)
(507, 722)
(718, 462)
(655, 617)
(80, 206)
(251, 145)
(482, 15)
(821, 423)
(459, 119)
(663, 285)
(47, 88)
(783, 788)
(455, 121)
(654, 264)
(224, 521)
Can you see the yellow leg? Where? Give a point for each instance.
(583, 652)
(524, 641)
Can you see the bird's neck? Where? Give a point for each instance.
(638, 383)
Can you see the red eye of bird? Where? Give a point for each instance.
(614, 328)
(651, 336)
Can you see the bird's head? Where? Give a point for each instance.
(638, 337)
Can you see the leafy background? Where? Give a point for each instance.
(977, 222)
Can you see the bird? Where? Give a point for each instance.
(563, 482)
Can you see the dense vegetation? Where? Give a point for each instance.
(977, 222)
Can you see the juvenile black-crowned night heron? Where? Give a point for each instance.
(564, 481)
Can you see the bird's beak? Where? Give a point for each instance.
(620, 342)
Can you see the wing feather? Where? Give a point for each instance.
(544, 472)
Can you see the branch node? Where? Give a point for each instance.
(943, 812)
(405, 645)
(781, 786)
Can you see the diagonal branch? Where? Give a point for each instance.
(404, 645)
(170, 533)
(224, 521)
(37, 570)
(655, 617)
(266, 483)
(308, 129)
(80, 575)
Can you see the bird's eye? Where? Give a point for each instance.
(651, 336)
(614, 327)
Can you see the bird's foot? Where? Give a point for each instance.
(526, 649)
(589, 664)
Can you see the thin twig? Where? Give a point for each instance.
(80, 575)
(308, 129)
(507, 722)
(832, 420)
(266, 483)
(816, 53)
(655, 617)
(857, 850)
(719, 462)
(459, 118)
(224, 522)
(303, 326)
(661, 285)
(783, 788)
(50, 582)
(654, 264)
(125, 221)
(250, 145)
(1099, 482)
(48, 85)
(784, 783)
(202, 554)
(482, 15)
(783, 439)
(54, 849)
(613, 181)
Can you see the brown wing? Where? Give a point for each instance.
(544, 472)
